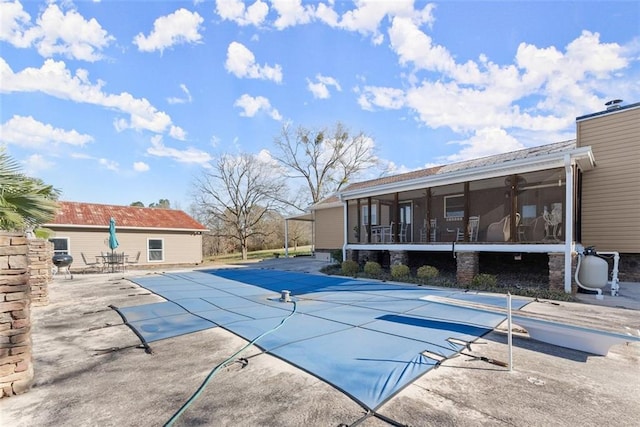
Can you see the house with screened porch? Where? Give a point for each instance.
(547, 202)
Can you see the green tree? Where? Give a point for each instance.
(24, 202)
(162, 204)
(137, 204)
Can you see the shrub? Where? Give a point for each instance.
(399, 271)
(372, 268)
(336, 255)
(350, 268)
(427, 272)
(484, 281)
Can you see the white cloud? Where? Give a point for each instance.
(242, 63)
(326, 14)
(178, 133)
(383, 97)
(253, 105)
(190, 155)
(14, 22)
(320, 88)
(368, 15)
(36, 163)
(28, 132)
(484, 142)
(504, 107)
(54, 79)
(465, 97)
(291, 13)
(56, 32)
(184, 100)
(109, 164)
(140, 167)
(178, 27)
(235, 10)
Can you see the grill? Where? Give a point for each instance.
(63, 261)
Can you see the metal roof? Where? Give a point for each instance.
(521, 161)
(91, 215)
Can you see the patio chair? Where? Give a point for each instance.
(433, 229)
(87, 263)
(133, 261)
(402, 232)
(472, 229)
(500, 231)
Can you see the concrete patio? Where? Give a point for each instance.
(89, 370)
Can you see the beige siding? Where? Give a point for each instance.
(179, 247)
(329, 228)
(611, 191)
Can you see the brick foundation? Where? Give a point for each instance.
(398, 257)
(468, 266)
(16, 364)
(556, 272)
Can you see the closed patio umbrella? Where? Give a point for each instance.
(113, 239)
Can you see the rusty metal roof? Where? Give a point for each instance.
(96, 215)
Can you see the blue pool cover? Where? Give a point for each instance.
(366, 338)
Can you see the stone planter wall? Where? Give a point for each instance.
(16, 364)
(40, 267)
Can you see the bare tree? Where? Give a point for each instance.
(299, 232)
(238, 193)
(326, 159)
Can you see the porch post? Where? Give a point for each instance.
(369, 220)
(428, 206)
(513, 209)
(359, 222)
(396, 217)
(568, 223)
(345, 228)
(286, 238)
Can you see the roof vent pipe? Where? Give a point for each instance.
(613, 104)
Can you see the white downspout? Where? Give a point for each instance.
(568, 226)
(286, 238)
(344, 229)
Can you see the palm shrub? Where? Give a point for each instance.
(24, 202)
(372, 268)
(399, 271)
(350, 268)
(427, 272)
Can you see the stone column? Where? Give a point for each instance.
(16, 364)
(468, 266)
(556, 272)
(40, 265)
(398, 257)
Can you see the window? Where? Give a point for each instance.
(155, 249)
(405, 213)
(454, 206)
(374, 214)
(60, 245)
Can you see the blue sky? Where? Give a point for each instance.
(122, 101)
